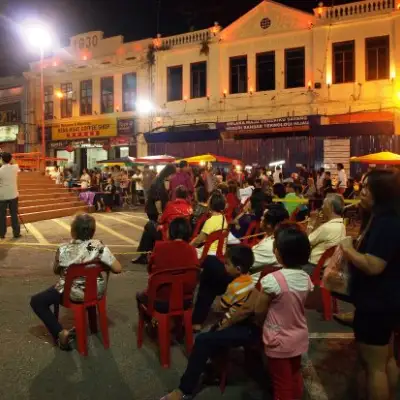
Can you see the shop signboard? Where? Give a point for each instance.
(276, 125)
(78, 144)
(9, 133)
(126, 126)
(123, 141)
(84, 129)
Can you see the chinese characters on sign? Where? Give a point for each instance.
(79, 130)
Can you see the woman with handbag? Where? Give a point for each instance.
(375, 280)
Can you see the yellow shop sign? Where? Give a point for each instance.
(84, 129)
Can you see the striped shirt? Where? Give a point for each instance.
(236, 294)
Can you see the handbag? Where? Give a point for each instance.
(337, 274)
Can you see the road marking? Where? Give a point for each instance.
(122, 221)
(37, 234)
(104, 228)
(134, 216)
(331, 335)
(62, 224)
(116, 234)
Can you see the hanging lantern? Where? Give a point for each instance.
(70, 148)
(106, 146)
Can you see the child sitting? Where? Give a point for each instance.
(239, 259)
(280, 304)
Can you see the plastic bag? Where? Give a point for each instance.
(336, 276)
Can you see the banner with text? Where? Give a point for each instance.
(84, 129)
(126, 126)
(276, 125)
(78, 144)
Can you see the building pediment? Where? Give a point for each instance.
(265, 19)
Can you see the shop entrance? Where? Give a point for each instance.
(93, 155)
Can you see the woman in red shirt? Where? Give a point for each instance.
(174, 253)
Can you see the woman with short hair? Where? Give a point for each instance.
(81, 249)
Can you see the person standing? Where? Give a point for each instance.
(182, 178)
(277, 175)
(147, 179)
(342, 178)
(138, 179)
(9, 196)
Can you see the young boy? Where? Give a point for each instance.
(239, 259)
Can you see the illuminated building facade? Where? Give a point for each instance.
(279, 83)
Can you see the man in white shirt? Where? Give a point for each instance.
(329, 234)
(342, 178)
(277, 175)
(137, 178)
(263, 252)
(9, 196)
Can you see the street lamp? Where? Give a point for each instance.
(39, 37)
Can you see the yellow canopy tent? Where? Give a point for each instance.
(206, 158)
(385, 157)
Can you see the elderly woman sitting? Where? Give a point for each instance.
(328, 234)
(81, 249)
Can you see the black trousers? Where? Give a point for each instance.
(213, 282)
(12, 205)
(149, 236)
(210, 344)
(41, 303)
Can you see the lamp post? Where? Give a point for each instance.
(39, 37)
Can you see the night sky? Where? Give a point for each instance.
(134, 19)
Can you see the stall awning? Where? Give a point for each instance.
(354, 129)
(383, 158)
(183, 133)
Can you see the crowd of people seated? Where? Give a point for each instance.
(262, 287)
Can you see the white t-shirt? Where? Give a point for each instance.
(342, 178)
(139, 182)
(326, 236)
(264, 253)
(296, 279)
(276, 176)
(8, 182)
(245, 193)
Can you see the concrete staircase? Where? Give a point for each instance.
(40, 199)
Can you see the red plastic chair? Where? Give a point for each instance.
(221, 237)
(176, 279)
(199, 224)
(253, 229)
(90, 272)
(328, 302)
(268, 269)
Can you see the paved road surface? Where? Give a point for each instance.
(31, 368)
